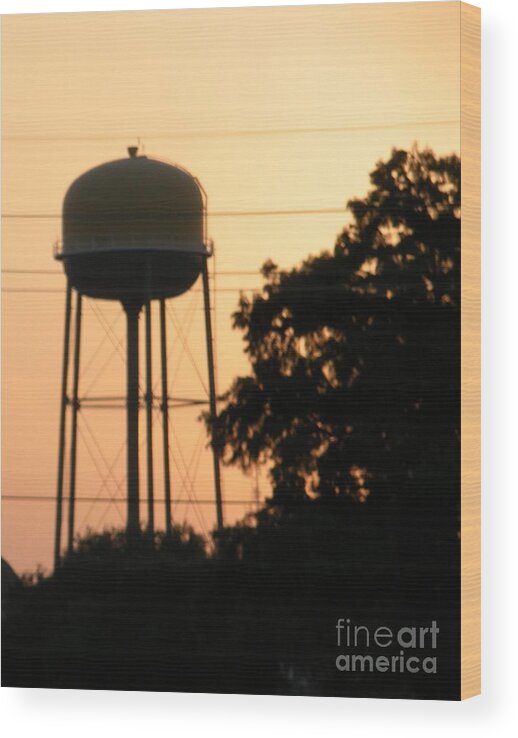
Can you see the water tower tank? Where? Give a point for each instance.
(133, 230)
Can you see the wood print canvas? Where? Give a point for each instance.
(240, 350)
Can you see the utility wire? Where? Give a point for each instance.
(214, 214)
(59, 291)
(229, 133)
(224, 273)
(109, 500)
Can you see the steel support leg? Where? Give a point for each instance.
(165, 419)
(75, 410)
(212, 391)
(149, 423)
(62, 429)
(132, 412)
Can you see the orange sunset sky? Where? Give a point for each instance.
(273, 109)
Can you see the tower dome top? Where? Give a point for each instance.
(131, 212)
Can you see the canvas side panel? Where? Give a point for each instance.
(470, 350)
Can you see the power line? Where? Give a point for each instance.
(224, 273)
(59, 291)
(214, 214)
(229, 133)
(46, 290)
(107, 500)
(32, 271)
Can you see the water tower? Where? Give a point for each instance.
(133, 231)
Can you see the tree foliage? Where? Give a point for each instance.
(112, 545)
(354, 353)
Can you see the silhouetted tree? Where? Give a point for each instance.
(355, 354)
(111, 546)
